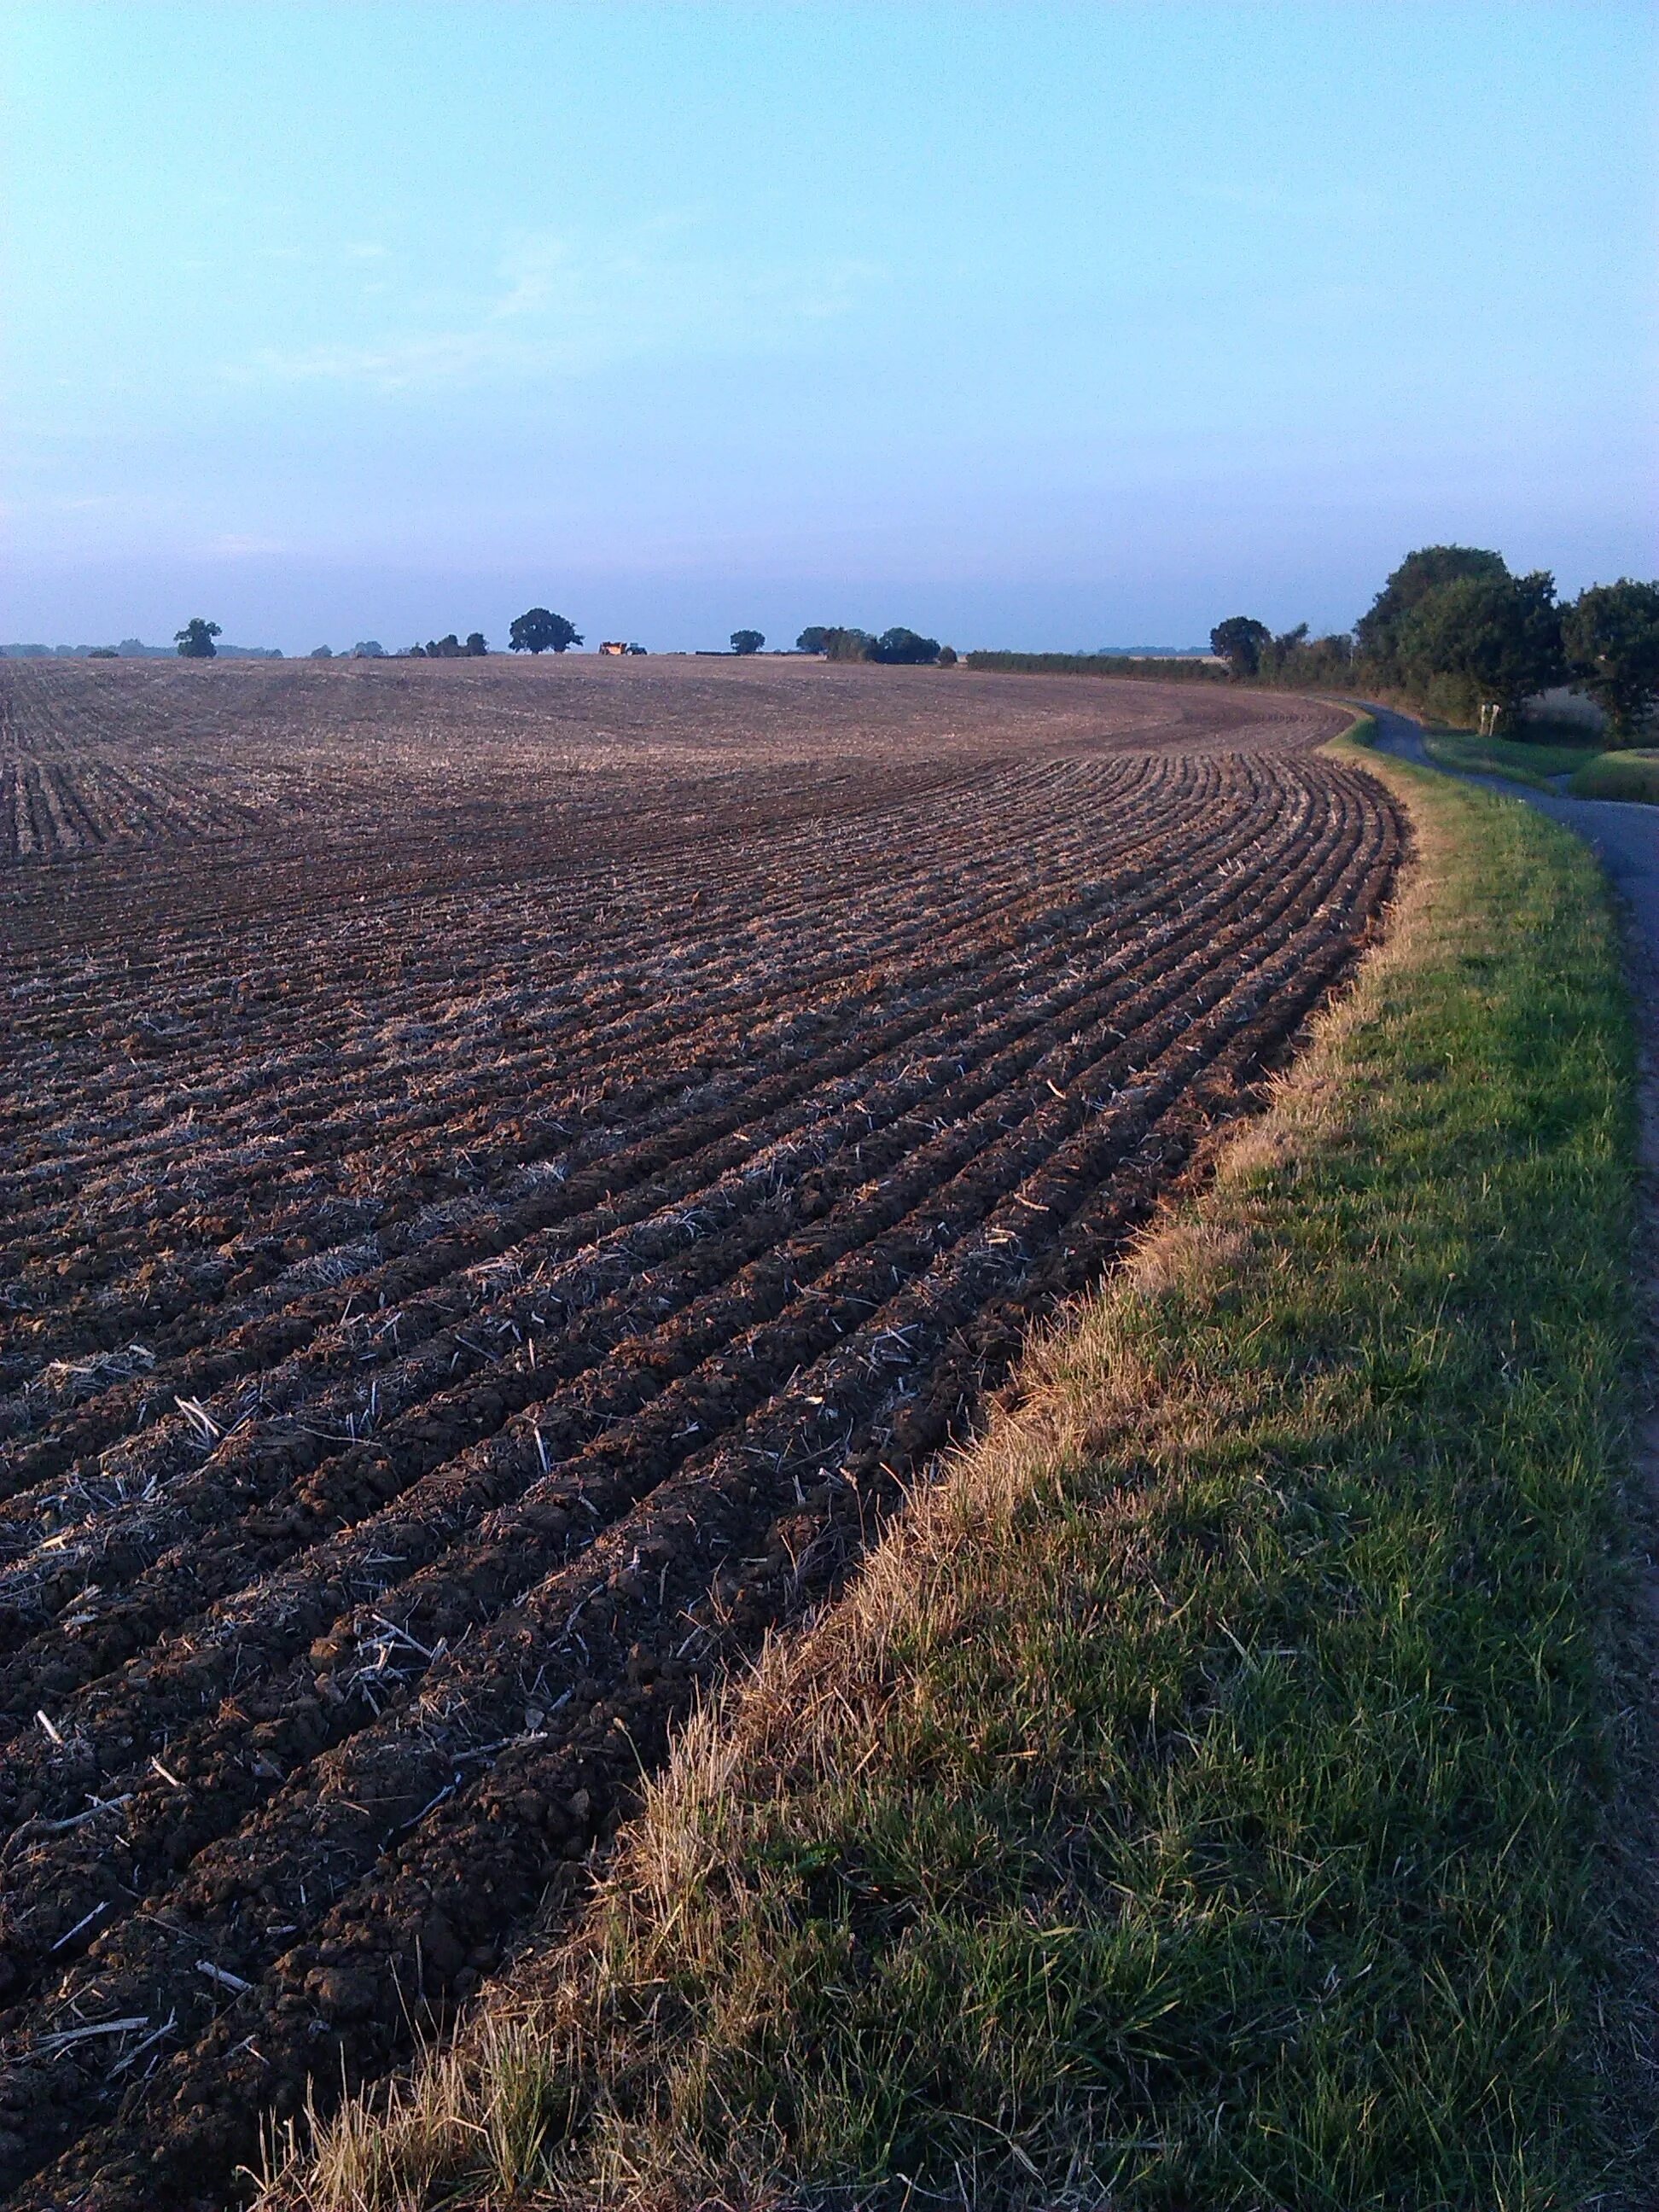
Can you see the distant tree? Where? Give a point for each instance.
(413, 652)
(904, 649)
(814, 639)
(747, 641)
(1239, 641)
(1278, 653)
(134, 646)
(102, 652)
(369, 648)
(444, 648)
(1610, 635)
(1498, 637)
(538, 631)
(195, 640)
(947, 656)
(476, 644)
(1378, 633)
(847, 644)
(322, 653)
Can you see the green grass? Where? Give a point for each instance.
(1202, 1799)
(1634, 775)
(1519, 758)
(1594, 774)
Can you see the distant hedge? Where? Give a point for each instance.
(1098, 663)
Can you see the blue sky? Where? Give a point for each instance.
(1036, 325)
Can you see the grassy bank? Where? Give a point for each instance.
(1634, 775)
(1592, 772)
(1518, 758)
(1197, 1802)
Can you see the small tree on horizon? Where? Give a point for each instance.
(477, 646)
(1239, 641)
(747, 641)
(195, 640)
(899, 647)
(538, 631)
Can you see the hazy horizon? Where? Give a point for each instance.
(1048, 325)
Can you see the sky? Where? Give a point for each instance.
(1038, 326)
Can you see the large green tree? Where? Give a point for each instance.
(195, 640)
(1610, 635)
(1377, 634)
(1239, 641)
(1499, 637)
(538, 631)
(747, 641)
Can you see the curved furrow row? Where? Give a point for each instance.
(353, 1284)
(982, 1097)
(636, 1033)
(149, 1470)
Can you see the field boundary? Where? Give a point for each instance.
(1189, 1801)
(1154, 669)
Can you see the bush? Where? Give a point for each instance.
(1098, 664)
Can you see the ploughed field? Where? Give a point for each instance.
(508, 1174)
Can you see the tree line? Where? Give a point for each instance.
(538, 629)
(895, 648)
(1454, 628)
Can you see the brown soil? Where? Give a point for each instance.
(509, 1173)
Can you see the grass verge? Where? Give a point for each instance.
(1519, 758)
(1201, 1797)
(1594, 774)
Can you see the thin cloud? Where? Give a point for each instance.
(559, 309)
